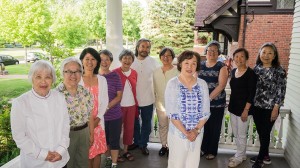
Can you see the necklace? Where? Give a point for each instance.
(240, 72)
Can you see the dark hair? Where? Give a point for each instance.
(275, 62)
(188, 55)
(138, 44)
(95, 54)
(107, 53)
(164, 50)
(241, 50)
(213, 43)
(126, 52)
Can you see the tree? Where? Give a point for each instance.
(94, 13)
(24, 21)
(169, 23)
(132, 19)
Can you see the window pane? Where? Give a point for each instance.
(285, 4)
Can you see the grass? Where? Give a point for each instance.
(12, 88)
(21, 69)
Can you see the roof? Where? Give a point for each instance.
(204, 8)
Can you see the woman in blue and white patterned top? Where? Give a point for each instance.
(187, 105)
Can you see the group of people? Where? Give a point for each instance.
(83, 117)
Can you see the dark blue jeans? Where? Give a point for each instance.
(141, 133)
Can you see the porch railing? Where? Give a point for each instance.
(226, 136)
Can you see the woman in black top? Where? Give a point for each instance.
(269, 96)
(242, 83)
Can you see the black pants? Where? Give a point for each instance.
(262, 120)
(212, 130)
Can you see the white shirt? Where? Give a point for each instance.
(41, 124)
(127, 96)
(144, 86)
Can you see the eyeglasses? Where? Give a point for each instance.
(68, 72)
(212, 51)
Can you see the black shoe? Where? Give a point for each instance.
(145, 151)
(132, 146)
(258, 164)
(163, 151)
(266, 160)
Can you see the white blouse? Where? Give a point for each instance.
(41, 124)
(187, 106)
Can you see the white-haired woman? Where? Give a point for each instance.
(80, 105)
(40, 121)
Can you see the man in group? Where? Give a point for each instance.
(144, 66)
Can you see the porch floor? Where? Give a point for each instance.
(221, 161)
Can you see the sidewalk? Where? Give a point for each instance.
(13, 76)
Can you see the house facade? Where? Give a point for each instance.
(247, 23)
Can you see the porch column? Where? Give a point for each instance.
(114, 35)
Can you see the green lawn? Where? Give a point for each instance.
(21, 69)
(12, 88)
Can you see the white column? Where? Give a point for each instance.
(114, 34)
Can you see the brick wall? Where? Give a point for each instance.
(268, 28)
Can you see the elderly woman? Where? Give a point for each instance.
(128, 102)
(161, 76)
(187, 105)
(40, 121)
(113, 114)
(97, 85)
(80, 106)
(215, 74)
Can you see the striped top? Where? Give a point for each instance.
(114, 85)
(211, 77)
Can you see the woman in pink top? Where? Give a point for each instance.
(97, 85)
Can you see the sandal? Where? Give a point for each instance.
(121, 159)
(128, 156)
(210, 157)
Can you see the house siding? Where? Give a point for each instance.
(292, 149)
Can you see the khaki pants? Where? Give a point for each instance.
(79, 148)
(163, 126)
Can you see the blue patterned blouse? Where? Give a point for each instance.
(211, 76)
(187, 106)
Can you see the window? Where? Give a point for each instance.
(285, 4)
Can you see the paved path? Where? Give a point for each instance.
(13, 76)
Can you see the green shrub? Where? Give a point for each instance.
(8, 148)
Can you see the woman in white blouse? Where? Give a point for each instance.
(187, 105)
(40, 121)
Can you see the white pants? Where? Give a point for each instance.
(239, 129)
(182, 155)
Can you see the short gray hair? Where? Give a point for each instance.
(68, 60)
(39, 66)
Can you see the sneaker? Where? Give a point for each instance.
(258, 164)
(234, 162)
(267, 160)
(108, 162)
(233, 157)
